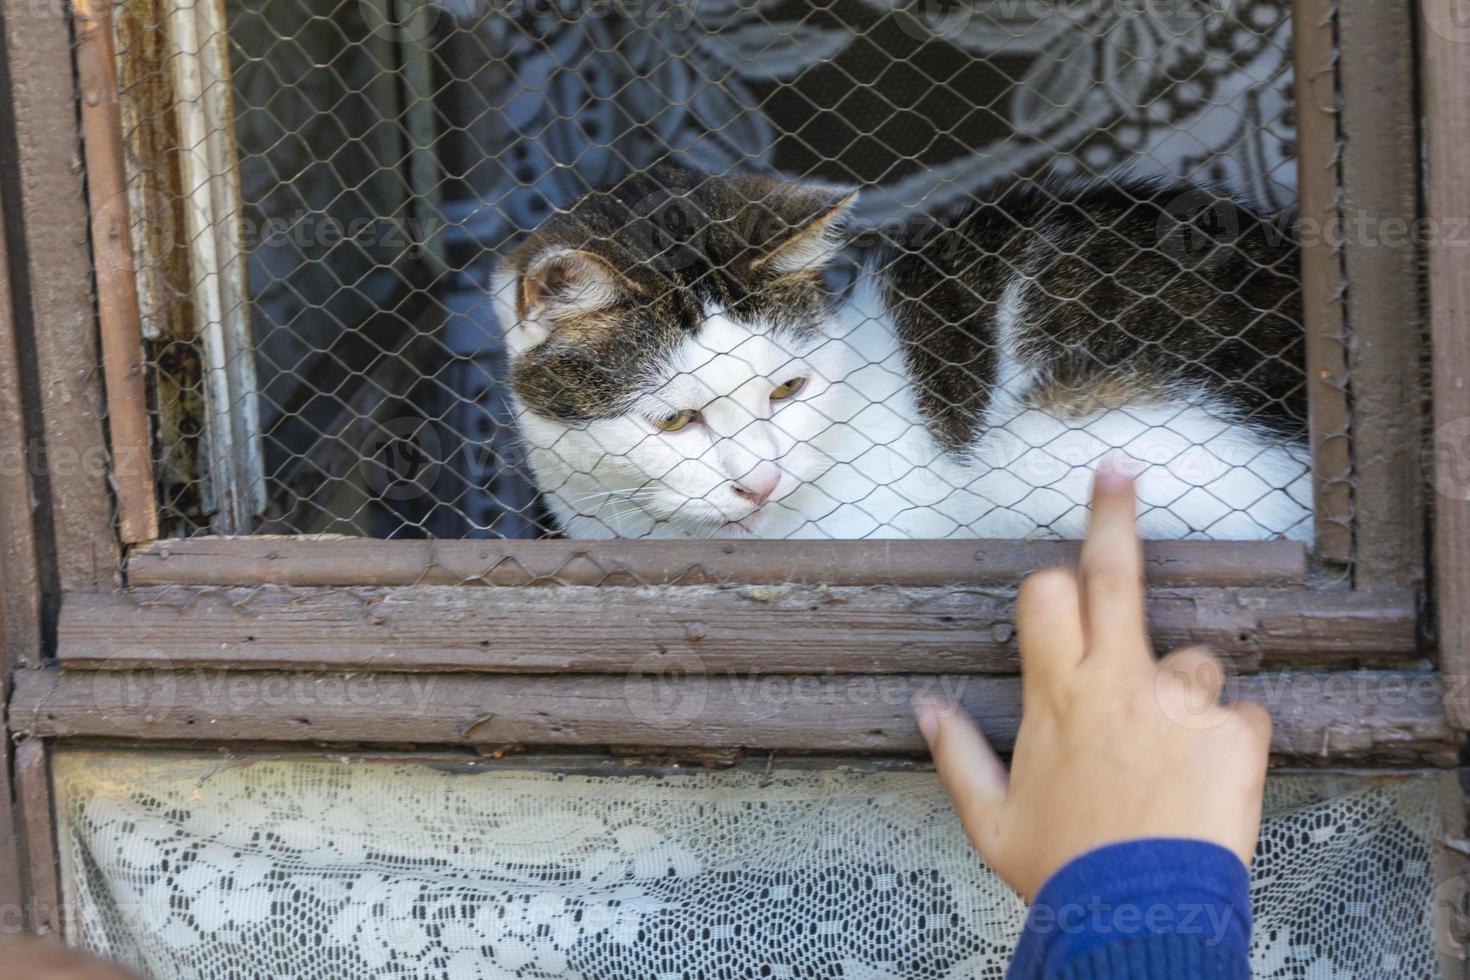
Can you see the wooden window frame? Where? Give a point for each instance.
(551, 644)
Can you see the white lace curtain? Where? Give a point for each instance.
(194, 868)
(925, 102)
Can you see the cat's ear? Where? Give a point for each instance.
(557, 287)
(816, 237)
(568, 282)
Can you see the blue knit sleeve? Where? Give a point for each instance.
(1146, 910)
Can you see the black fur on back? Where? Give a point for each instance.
(1136, 289)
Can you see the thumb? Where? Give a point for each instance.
(969, 768)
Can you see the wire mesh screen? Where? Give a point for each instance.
(730, 268)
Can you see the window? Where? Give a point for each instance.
(350, 183)
(319, 532)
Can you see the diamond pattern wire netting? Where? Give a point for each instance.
(320, 193)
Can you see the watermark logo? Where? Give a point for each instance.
(1191, 689)
(401, 458)
(666, 688)
(1450, 19)
(400, 21)
(140, 678)
(415, 21)
(949, 19)
(928, 19)
(1446, 459)
(1450, 913)
(1198, 228)
(1188, 690)
(676, 230)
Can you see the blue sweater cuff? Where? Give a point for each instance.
(1176, 909)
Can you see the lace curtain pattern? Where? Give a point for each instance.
(192, 868)
(926, 106)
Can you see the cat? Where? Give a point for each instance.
(680, 366)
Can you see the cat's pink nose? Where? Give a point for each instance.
(757, 487)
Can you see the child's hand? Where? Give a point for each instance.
(1114, 745)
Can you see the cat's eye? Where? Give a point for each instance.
(674, 421)
(787, 388)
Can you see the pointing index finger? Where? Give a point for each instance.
(1112, 570)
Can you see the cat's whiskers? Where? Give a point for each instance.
(625, 491)
(631, 495)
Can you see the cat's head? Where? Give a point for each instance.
(670, 334)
